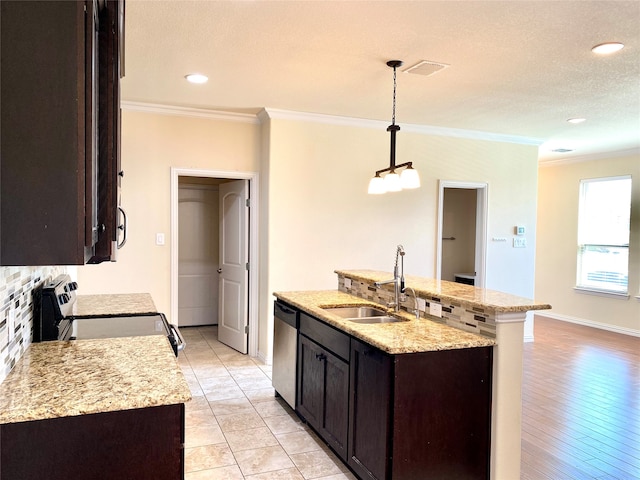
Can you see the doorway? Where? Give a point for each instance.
(462, 227)
(197, 221)
(198, 250)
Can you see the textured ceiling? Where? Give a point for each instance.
(518, 68)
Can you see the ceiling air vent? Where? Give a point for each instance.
(426, 68)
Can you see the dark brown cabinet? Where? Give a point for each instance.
(370, 411)
(323, 382)
(432, 414)
(110, 174)
(55, 127)
(411, 416)
(145, 444)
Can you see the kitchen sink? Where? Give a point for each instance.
(357, 312)
(364, 314)
(382, 319)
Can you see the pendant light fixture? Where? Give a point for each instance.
(392, 182)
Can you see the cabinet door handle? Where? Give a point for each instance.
(123, 227)
(320, 357)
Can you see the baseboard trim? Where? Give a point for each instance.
(589, 323)
(263, 358)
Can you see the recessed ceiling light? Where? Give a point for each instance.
(607, 48)
(562, 150)
(196, 78)
(576, 120)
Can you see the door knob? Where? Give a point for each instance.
(219, 270)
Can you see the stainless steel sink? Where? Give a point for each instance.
(364, 314)
(357, 312)
(384, 319)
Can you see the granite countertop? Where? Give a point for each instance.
(60, 379)
(411, 336)
(112, 305)
(466, 295)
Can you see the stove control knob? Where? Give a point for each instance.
(64, 298)
(73, 286)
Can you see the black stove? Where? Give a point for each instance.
(54, 319)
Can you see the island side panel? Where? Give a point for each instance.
(442, 414)
(506, 432)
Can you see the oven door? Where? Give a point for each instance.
(83, 328)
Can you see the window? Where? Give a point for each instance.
(603, 234)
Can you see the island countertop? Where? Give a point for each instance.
(111, 305)
(410, 336)
(467, 295)
(60, 379)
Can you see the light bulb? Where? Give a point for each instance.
(196, 78)
(392, 182)
(376, 185)
(409, 178)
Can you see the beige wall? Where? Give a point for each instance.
(321, 218)
(557, 245)
(315, 214)
(151, 145)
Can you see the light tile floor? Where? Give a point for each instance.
(235, 426)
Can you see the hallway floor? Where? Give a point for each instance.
(236, 428)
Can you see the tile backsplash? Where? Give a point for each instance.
(475, 320)
(16, 310)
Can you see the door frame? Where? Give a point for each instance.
(253, 238)
(482, 204)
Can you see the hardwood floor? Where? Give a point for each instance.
(581, 404)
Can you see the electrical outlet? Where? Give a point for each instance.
(422, 304)
(160, 239)
(347, 283)
(519, 242)
(435, 309)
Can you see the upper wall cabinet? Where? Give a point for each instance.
(60, 129)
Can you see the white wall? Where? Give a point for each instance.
(556, 262)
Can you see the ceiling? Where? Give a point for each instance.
(516, 68)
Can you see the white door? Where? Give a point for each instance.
(197, 255)
(233, 272)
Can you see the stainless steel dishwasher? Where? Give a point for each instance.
(285, 348)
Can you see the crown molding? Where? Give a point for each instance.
(189, 112)
(590, 157)
(278, 114)
(274, 113)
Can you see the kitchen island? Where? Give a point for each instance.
(429, 358)
(107, 408)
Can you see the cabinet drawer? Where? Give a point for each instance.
(337, 342)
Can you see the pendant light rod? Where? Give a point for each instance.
(393, 182)
(393, 128)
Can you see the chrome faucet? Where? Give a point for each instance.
(398, 280)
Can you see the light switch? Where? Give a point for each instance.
(519, 242)
(435, 309)
(159, 238)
